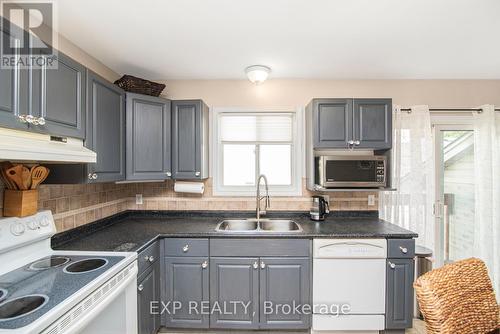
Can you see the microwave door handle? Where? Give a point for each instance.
(327, 207)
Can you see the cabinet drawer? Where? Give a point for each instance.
(186, 247)
(260, 247)
(401, 248)
(147, 257)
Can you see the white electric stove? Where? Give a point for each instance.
(56, 292)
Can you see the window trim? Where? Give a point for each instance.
(295, 189)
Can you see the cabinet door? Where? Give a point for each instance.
(399, 299)
(332, 123)
(373, 123)
(187, 139)
(9, 90)
(148, 138)
(64, 98)
(106, 128)
(284, 281)
(148, 290)
(187, 285)
(234, 284)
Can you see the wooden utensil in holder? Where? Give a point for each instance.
(20, 203)
(21, 195)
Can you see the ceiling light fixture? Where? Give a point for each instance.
(257, 74)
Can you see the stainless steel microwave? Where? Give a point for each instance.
(351, 171)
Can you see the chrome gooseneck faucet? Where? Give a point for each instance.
(259, 198)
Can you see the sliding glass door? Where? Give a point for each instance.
(454, 207)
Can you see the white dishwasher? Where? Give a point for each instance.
(349, 273)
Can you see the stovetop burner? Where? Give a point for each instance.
(49, 262)
(84, 266)
(21, 306)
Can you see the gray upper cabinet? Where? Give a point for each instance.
(350, 123)
(372, 119)
(105, 132)
(148, 290)
(399, 298)
(235, 279)
(63, 93)
(332, 122)
(189, 140)
(9, 94)
(186, 281)
(148, 143)
(284, 281)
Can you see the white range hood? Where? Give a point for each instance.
(27, 146)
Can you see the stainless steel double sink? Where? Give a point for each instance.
(252, 225)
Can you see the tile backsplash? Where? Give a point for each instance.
(75, 205)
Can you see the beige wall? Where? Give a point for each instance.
(297, 92)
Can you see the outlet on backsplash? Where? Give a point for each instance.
(138, 199)
(371, 200)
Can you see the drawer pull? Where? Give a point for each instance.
(255, 265)
(392, 265)
(204, 265)
(404, 250)
(151, 259)
(140, 287)
(262, 265)
(185, 248)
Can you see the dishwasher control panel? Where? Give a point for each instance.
(350, 248)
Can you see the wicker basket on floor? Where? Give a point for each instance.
(458, 299)
(133, 84)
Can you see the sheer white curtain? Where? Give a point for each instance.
(487, 191)
(410, 206)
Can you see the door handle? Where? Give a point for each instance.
(140, 287)
(255, 265)
(262, 265)
(204, 265)
(392, 265)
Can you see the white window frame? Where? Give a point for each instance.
(218, 189)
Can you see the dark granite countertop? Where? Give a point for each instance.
(135, 230)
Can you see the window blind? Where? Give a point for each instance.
(256, 128)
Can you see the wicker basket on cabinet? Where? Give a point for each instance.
(133, 84)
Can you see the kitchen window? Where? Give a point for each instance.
(247, 144)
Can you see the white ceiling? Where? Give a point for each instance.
(337, 39)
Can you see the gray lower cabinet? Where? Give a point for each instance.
(105, 129)
(148, 134)
(284, 281)
(256, 290)
(63, 92)
(148, 291)
(399, 294)
(189, 140)
(234, 286)
(372, 123)
(186, 285)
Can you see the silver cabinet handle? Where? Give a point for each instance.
(357, 142)
(168, 174)
(94, 176)
(255, 265)
(197, 174)
(204, 265)
(404, 250)
(140, 287)
(185, 248)
(90, 176)
(392, 265)
(350, 142)
(262, 265)
(151, 259)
